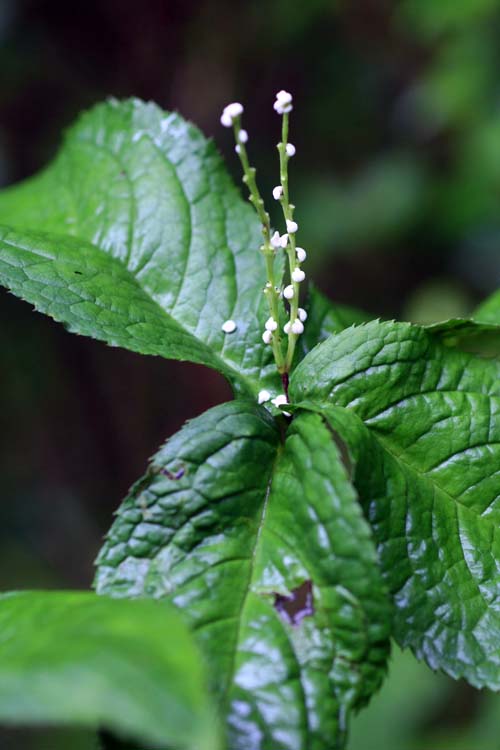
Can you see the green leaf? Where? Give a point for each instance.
(325, 317)
(131, 666)
(138, 206)
(421, 421)
(488, 311)
(468, 334)
(263, 547)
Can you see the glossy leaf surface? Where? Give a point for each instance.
(422, 422)
(325, 318)
(137, 226)
(263, 547)
(130, 666)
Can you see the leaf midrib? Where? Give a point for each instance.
(251, 570)
(130, 233)
(399, 458)
(455, 502)
(247, 591)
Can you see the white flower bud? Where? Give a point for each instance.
(276, 240)
(235, 109)
(237, 148)
(284, 97)
(263, 397)
(298, 275)
(267, 337)
(283, 102)
(229, 326)
(301, 254)
(287, 327)
(279, 400)
(284, 240)
(232, 110)
(290, 149)
(288, 292)
(243, 136)
(291, 226)
(271, 324)
(277, 192)
(297, 327)
(302, 314)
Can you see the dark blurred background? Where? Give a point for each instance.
(397, 186)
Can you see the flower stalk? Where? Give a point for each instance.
(271, 334)
(273, 243)
(295, 326)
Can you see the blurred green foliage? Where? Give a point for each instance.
(397, 118)
(48, 739)
(418, 709)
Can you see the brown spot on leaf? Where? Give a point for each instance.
(292, 609)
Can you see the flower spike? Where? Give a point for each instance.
(274, 242)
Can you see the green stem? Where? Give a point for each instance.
(293, 263)
(255, 199)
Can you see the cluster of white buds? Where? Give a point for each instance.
(272, 243)
(279, 240)
(270, 326)
(296, 327)
(283, 103)
(230, 113)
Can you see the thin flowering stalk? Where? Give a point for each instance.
(232, 116)
(295, 326)
(273, 243)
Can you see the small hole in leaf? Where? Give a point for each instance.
(174, 474)
(292, 609)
